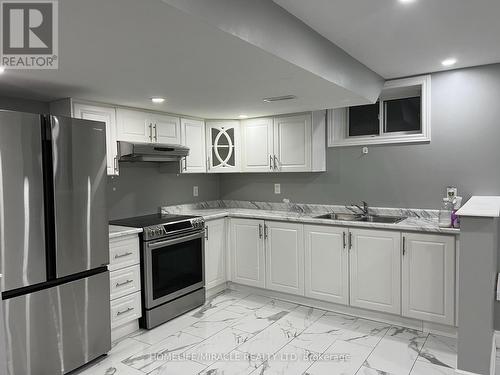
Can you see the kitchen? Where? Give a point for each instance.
(317, 197)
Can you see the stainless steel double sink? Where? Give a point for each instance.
(361, 217)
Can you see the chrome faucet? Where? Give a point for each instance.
(363, 209)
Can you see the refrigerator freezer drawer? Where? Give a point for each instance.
(56, 330)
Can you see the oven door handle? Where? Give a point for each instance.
(156, 245)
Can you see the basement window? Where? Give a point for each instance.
(401, 115)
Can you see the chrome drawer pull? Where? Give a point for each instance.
(124, 311)
(117, 256)
(124, 283)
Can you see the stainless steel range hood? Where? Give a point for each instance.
(151, 152)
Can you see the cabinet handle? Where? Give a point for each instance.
(156, 133)
(206, 232)
(185, 163)
(151, 132)
(350, 240)
(343, 240)
(265, 231)
(208, 163)
(117, 256)
(115, 163)
(260, 230)
(404, 245)
(124, 311)
(124, 283)
(270, 162)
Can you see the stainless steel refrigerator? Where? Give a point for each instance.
(53, 242)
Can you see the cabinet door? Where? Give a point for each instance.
(285, 257)
(215, 253)
(108, 116)
(134, 126)
(257, 145)
(223, 146)
(193, 136)
(292, 143)
(375, 264)
(429, 277)
(166, 129)
(326, 263)
(247, 251)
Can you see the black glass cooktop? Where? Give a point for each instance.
(149, 220)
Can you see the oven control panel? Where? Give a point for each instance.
(173, 229)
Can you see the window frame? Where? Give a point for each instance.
(338, 118)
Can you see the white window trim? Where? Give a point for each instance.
(337, 119)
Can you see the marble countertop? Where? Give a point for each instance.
(481, 206)
(119, 231)
(416, 224)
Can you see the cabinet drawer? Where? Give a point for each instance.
(123, 252)
(125, 281)
(125, 309)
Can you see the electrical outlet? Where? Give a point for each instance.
(365, 150)
(195, 191)
(277, 188)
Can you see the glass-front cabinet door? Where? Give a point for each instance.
(223, 146)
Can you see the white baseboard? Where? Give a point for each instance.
(362, 313)
(462, 372)
(215, 290)
(124, 330)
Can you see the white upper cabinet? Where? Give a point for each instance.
(257, 145)
(166, 129)
(284, 257)
(193, 136)
(247, 244)
(108, 116)
(134, 126)
(223, 146)
(147, 127)
(326, 263)
(429, 277)
(375, 265)
(215, 253)
(293, 143)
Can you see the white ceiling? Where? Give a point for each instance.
(396, 39)
(126, 51)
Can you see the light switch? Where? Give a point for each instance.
(277, 188)
(195, 191)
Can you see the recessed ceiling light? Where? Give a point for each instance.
(157, 100)
(2, 69)
(243, 116)
(449, 62)
(406, 1)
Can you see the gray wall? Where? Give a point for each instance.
(464, 151)
(142, 188)
(23, 105)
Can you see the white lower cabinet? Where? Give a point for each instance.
(125, 285)
(284, 247)
(375, 270)
(429, 277)
(247, 249)
(408, 274)
(215, 253)
(326, 263)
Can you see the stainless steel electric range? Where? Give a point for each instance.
(172, 265)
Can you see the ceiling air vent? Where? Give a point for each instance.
(279, 98)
